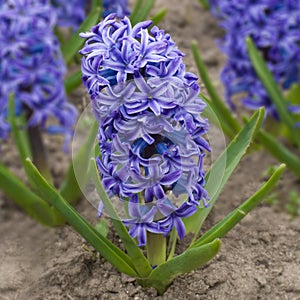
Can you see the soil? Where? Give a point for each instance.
(259, 258)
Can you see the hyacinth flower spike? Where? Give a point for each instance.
(131, 122)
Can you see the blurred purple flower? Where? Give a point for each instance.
(151, 134)
(4, 126)
(31, 66)
(274, 27)
(69, 13)
(119, 7)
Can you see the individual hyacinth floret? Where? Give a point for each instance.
(151, 133)
(274, 27)
(32, 68)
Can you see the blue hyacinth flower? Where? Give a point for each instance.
(274, 27)
(151, 133)
(32, 68)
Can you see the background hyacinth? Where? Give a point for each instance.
(31, 66)
(69, 13)
(72, 13)
(119, 7)
(150, 128)
(274, 27)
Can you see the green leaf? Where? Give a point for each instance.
(31, 203)
(26, 143)
(102, 227)
(225, 225)
(28, 140)
(279, 151)
(222, 169)
(141, 10)
(157, 18)
(293, 94)
(73, 81)
(134, 13)
(204, 3)
(231, 126)
(107, 249)
(172, 243)
(273, 90)
(96, 3)
(215, 117)
(71, 47)
(70, 188)
(162, 276)
(18, 126)
(140, 262)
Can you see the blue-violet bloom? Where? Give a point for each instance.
(31, 67)
(119, 7)
(69, 13)
(151, 133)
(274, 27)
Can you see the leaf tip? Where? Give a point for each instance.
(248, 39)
(217, 243)
(281, 168)
(28, 162)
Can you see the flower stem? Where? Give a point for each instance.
(38, 151)
(156, 248)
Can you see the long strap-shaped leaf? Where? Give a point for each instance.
(140, 262)
(162, 276)
(158, 17)
(215, 117)
(279, 151)
(141, 11)
(273, 90)
(225, 225)
(73, 81)
(31, 203)
(21, 138)
(107, 249)
(19, 134)
(71, 47)
(70, 188)
(224, 113)
(232, 156)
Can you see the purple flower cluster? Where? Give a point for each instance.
(274, 26)
(119, 7)
(151, 133)
(31, 67)
(70, 13)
